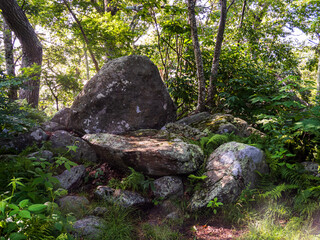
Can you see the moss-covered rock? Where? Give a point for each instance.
(149, 155)
(230, 168)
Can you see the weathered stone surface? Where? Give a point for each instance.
(311, 167)
(62, 117)
(73, 204)
(52, 126)
(196, 118)
(99, 211)
(36, 136)
(72, 179)
(168, 186)
(61, 139)
(184, 131)
(219, 123)
(147, 155)
(127, 94)
(89, 228)
(230, 168)
(121, 197)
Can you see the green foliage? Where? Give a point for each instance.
(119, 223)
(160, 232)
(134, 181)
(214, 204)
(24, 220)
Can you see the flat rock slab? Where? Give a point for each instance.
(147, 155)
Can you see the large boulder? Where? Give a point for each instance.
(127, 94)
(152, 156)
(230, 168)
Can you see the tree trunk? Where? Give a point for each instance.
(31, 46)
(318, 76)
(10, 66)
(217, 52)
(198, 57)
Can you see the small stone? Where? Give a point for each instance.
(123, 198)
(89, 228)
(74, 204)
(72, 179)
(99, 211)
(168, 186)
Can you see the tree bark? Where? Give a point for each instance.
(217, 51)
(318, 76)
(10, 66)
(31, 46)
(197, 52)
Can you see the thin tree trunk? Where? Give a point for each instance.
(31, 46)
(87, 62)
(217, 51)
(242, 13)
(198, 57)
(318, 77)
(10, 66)
(96, 65)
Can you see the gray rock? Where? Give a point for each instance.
(89, 228)
(72, 179)
(45, 154)
(127, 94)
(168, 186)
(230, 168)
(74, 204)
(52, 126)
(61, 139)
(62, 117)
(147, 155)
(36, 136)
(123, 198)
(184, 131)
(196, 118)
(227, 128)
(312, 168)
(99, 211)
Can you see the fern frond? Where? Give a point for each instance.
(277, 191)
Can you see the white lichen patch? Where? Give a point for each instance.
(165, 106)
(100, 95)
(138, 109)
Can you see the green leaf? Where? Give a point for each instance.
(24, 214)
(2, 206)
(13, 206)
(72, 148)
(13, 212)
(58, 226)
(17, 236)
(24, 203)
(37, 207)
